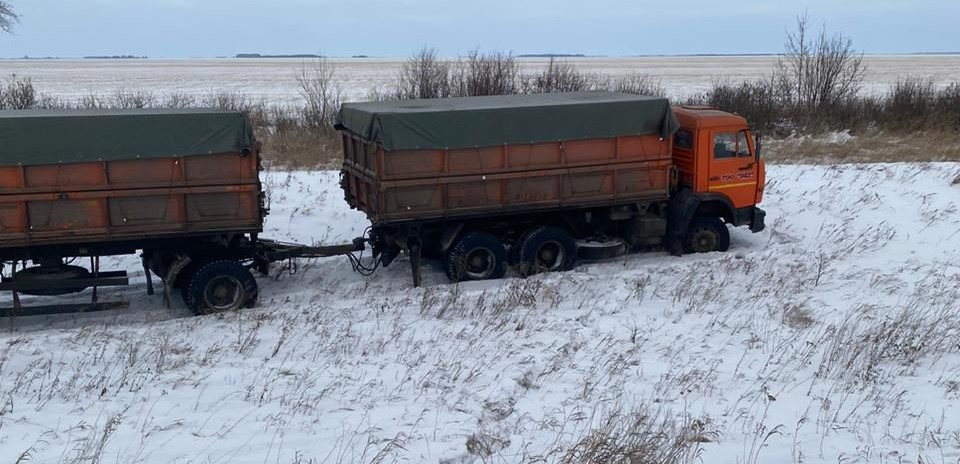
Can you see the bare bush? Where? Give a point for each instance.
(494, 73)
(131, 99)
(818, 71)
(18, 94)
(257, 110)
(639, 84)
(424, 75)
(179, 100)
(560, 76)
(7, 17)
(910, 103)
(755, 101)
(321, 92)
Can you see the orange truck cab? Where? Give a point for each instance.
(717, 158)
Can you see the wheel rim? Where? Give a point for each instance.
(704, 240)
(479, 263)
(549, 257)
(223, 293)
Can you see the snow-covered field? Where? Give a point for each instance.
(274, 80)
(833, 336)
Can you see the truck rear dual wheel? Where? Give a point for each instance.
(476, 256)
(707, 234)
(545, 249)
(219, 286)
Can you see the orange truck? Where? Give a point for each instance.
(530, 182)
(536, 182)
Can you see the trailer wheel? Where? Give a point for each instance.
(707, 234)
(476, 256)
(546, 249)
(220, 286)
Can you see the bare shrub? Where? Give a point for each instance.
(257, 110)
(910, 103)
(639, 84)
(424, 75)
(178, 100)
(7, 17)
(818, 71)
(755, 101)
(947, 105)
(560, 76)
(130, 99)
(643, 436)
(321, 92)
(494, 73)
(18, 94)
(92, 101)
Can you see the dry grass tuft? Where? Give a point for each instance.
(643, 436)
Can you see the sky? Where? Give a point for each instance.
(397, 28)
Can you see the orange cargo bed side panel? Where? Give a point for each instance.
(127, 199)
(411, 185)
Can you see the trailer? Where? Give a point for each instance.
(181, 187)
(535, 182)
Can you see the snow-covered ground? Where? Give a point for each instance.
(833, 336)
(274, 80)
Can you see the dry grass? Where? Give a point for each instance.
(642, 436)
(302, 147)
(867, 147)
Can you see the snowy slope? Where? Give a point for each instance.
(833, 336)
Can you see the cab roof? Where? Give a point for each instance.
(705, 117)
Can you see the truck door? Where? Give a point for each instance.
(733, 168)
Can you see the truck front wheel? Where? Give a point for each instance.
(707, 234)
(476, 256)
(220, 286)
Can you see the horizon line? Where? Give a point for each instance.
(135, 57)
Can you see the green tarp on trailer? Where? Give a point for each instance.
(67, 136)
(445, 123)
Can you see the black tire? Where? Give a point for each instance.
(706, 234)
(476, 256)
(600, 251)
(546, 249)
(220, 286)
(514, 253)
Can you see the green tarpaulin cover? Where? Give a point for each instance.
(444, 123)
(68, 136)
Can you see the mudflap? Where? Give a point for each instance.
(757, 222)
(683, 206)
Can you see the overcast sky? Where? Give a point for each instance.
(207, 28)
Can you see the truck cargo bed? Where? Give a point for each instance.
(445, 176)
(51, 194)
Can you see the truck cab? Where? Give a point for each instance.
(717, 158)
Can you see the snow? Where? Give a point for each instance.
(274, 80)
(832, 336)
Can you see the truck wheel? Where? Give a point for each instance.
(220, 286)
(546, 249)
(707, 234)
(477, 256)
